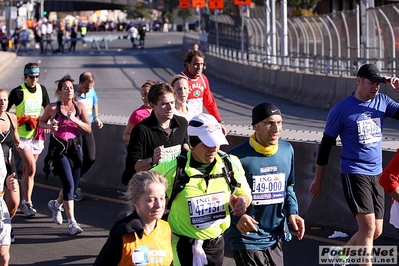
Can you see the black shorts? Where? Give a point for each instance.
(213, 248)
(364, 194)
(272, 256)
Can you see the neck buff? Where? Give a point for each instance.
(267, 151)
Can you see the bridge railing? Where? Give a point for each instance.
(330, 44)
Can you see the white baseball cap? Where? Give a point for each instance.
(207, 129)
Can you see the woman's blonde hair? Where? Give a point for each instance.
(139, 184)
(176, 78)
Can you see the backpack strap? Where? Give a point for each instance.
(181, 178)
(228, 171)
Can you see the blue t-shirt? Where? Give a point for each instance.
(89, 99)
(360, 126)
(271, 179)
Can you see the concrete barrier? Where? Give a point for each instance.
(329, 210)
(281, 83)
(313, 90)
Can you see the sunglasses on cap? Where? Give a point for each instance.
(33, 76)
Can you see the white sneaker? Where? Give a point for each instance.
(338, 260)
(56, 212)
(78, 195)
(74, 229)
(28, 209)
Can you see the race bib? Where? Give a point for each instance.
(32, 107)
(268, 189)
(207, 210)
(171, 153)
(369, 130)
(88, 103)
(195, 105)
(140, 256)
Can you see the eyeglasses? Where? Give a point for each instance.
(33, 76)
(269, 124)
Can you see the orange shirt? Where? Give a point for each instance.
(154, 249)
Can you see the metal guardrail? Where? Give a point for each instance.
(330, 44)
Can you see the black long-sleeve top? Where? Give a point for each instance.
(147, 135)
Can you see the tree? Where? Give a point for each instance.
(184, 13)
(138, 12)
(169, 16)
(303, 7)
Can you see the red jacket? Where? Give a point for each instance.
(200, 95)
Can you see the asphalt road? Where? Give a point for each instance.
(119, 73)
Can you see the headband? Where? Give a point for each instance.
(31, 70)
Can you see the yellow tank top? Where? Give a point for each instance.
(30, 106)
(154, 249)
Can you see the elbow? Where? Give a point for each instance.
(126, 137)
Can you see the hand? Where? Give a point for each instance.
(159, 153)
(316, 187)
(54, 125)
(71, 116)
(238, 205)
(20, 145)
(298, 224)
(98, 122)
(246, 224)
(12, 182)
(393, 83)
(224, 130)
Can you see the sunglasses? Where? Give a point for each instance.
(33, 76)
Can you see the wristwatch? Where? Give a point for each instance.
(150, 162)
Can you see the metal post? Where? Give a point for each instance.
(242, 31)
(41, 8)
(267, 31)
(8, 16)
(365, 38)
(284, 32)
(217, 28)
(273, 30)
(358, 37)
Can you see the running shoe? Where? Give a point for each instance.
(74, 229)
(28, 209)
(78, 195)
(56, 212)
(336, 258)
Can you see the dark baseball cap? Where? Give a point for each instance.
(370, 72)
